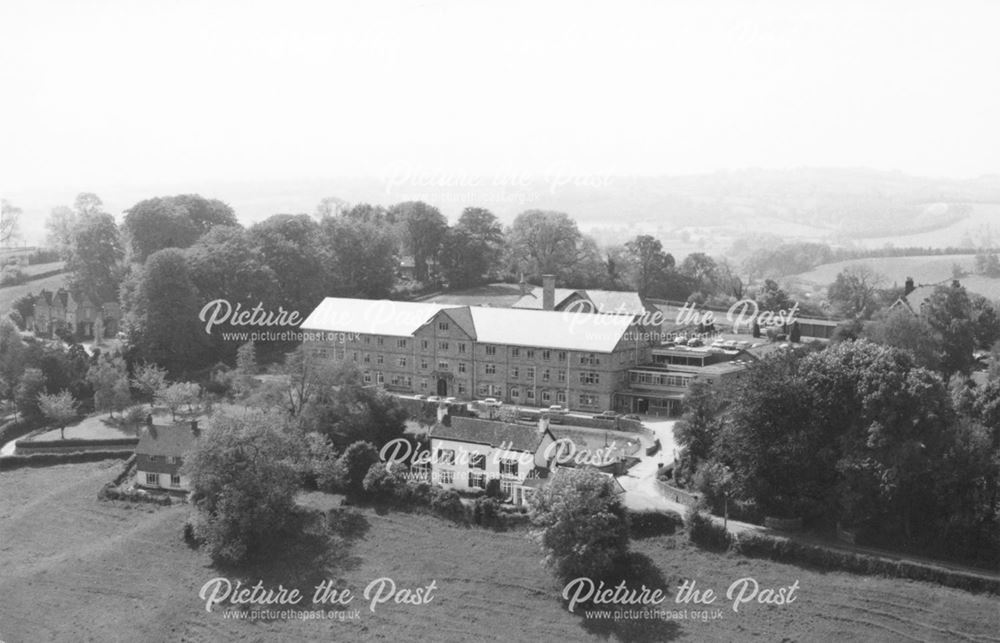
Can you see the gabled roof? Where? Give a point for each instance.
(166, 441)
(550, 329)
(513, 437)
(371, 316)
(533, 300)
(616, 302)
(916, 298)
(559, 330)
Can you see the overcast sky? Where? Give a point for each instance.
(101, 92)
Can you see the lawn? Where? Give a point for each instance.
(78, 569)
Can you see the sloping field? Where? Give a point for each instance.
(924, 270)
(10, 294)
(980, 229)
(75, 569)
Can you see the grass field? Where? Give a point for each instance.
(75, 569)
(10, 294)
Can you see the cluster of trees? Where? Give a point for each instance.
(858, 434)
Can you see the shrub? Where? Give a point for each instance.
(486, 512)
(706, 533)
(384, 485)
(354, 464)
(447, 503)
(493, 489)
(647, 524)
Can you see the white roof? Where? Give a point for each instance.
(371, 316)
(549, 329)
(560, 330)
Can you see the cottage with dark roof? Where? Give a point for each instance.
(160, 454)
(470, 451)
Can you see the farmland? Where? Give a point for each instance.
(10, 294)
(77, 569)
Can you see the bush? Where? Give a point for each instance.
(706, 533)
(354, 464)
(647, 524)
(384, 485)
(486, 512)
(12, 276)
(447, 503)
(493, 489)
(16, 317)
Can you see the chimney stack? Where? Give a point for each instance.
(548, 292)
(909, 287)
(523, 285)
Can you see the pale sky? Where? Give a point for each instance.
(108, 92)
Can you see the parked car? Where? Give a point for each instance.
(558, 409)
(606, 415)
(450, 400)
(420, 396)
(434, 398)
(492, 401)
(632, 416)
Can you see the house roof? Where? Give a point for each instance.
(166, 441)
(616, 302)
(533, 300)
(558, 330)
(371, 316)
(916, 298)
(513, 437)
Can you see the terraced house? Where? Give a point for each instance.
(529, 357)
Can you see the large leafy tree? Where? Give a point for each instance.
(901, 328)
(292, 247)
(59, 409)
(472, 248)
(362, 256)
(163, 306)
(423, 228)
(172, 222)
(949, 312)
(94, 256)
(854, 293)
(699, 426)
(580, 523)
(243, 481)
(650, 264)
(544, 242)
(109, 379)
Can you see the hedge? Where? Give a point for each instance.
(11, 462)
(108, 492)
(647, 524)
(27, 445)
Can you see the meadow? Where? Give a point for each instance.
(79, 569)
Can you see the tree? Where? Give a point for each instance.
(772, 297)
(854, 293)
(60, 226)
(246, 367)
(109, 379)
(354, 464)
(699, 426)
(179, 394)
(901, 328)
(580, 523)
(172, 222)
(331, 206)
(544, 242)
(13, 358)
(423, 228)
(93, 257)
(150, 379)
(471, 250)
(363, 256)
(948, 311)
(293, 248)
(9, 216)
(650, 263)
(243, 483)
(163, 307)
(59, 409)
(795, 334)
(701, 269)
(30, 385)
(985, 321)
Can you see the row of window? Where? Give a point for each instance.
(589, 359)
(154, 479)
(476, 480)
(477, 461)
(660, 379)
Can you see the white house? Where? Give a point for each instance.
(471, 451)
(160, 454)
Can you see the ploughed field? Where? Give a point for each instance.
(75, 569)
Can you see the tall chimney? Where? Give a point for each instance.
(909, 287)
(523, 285)
(548, 292)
